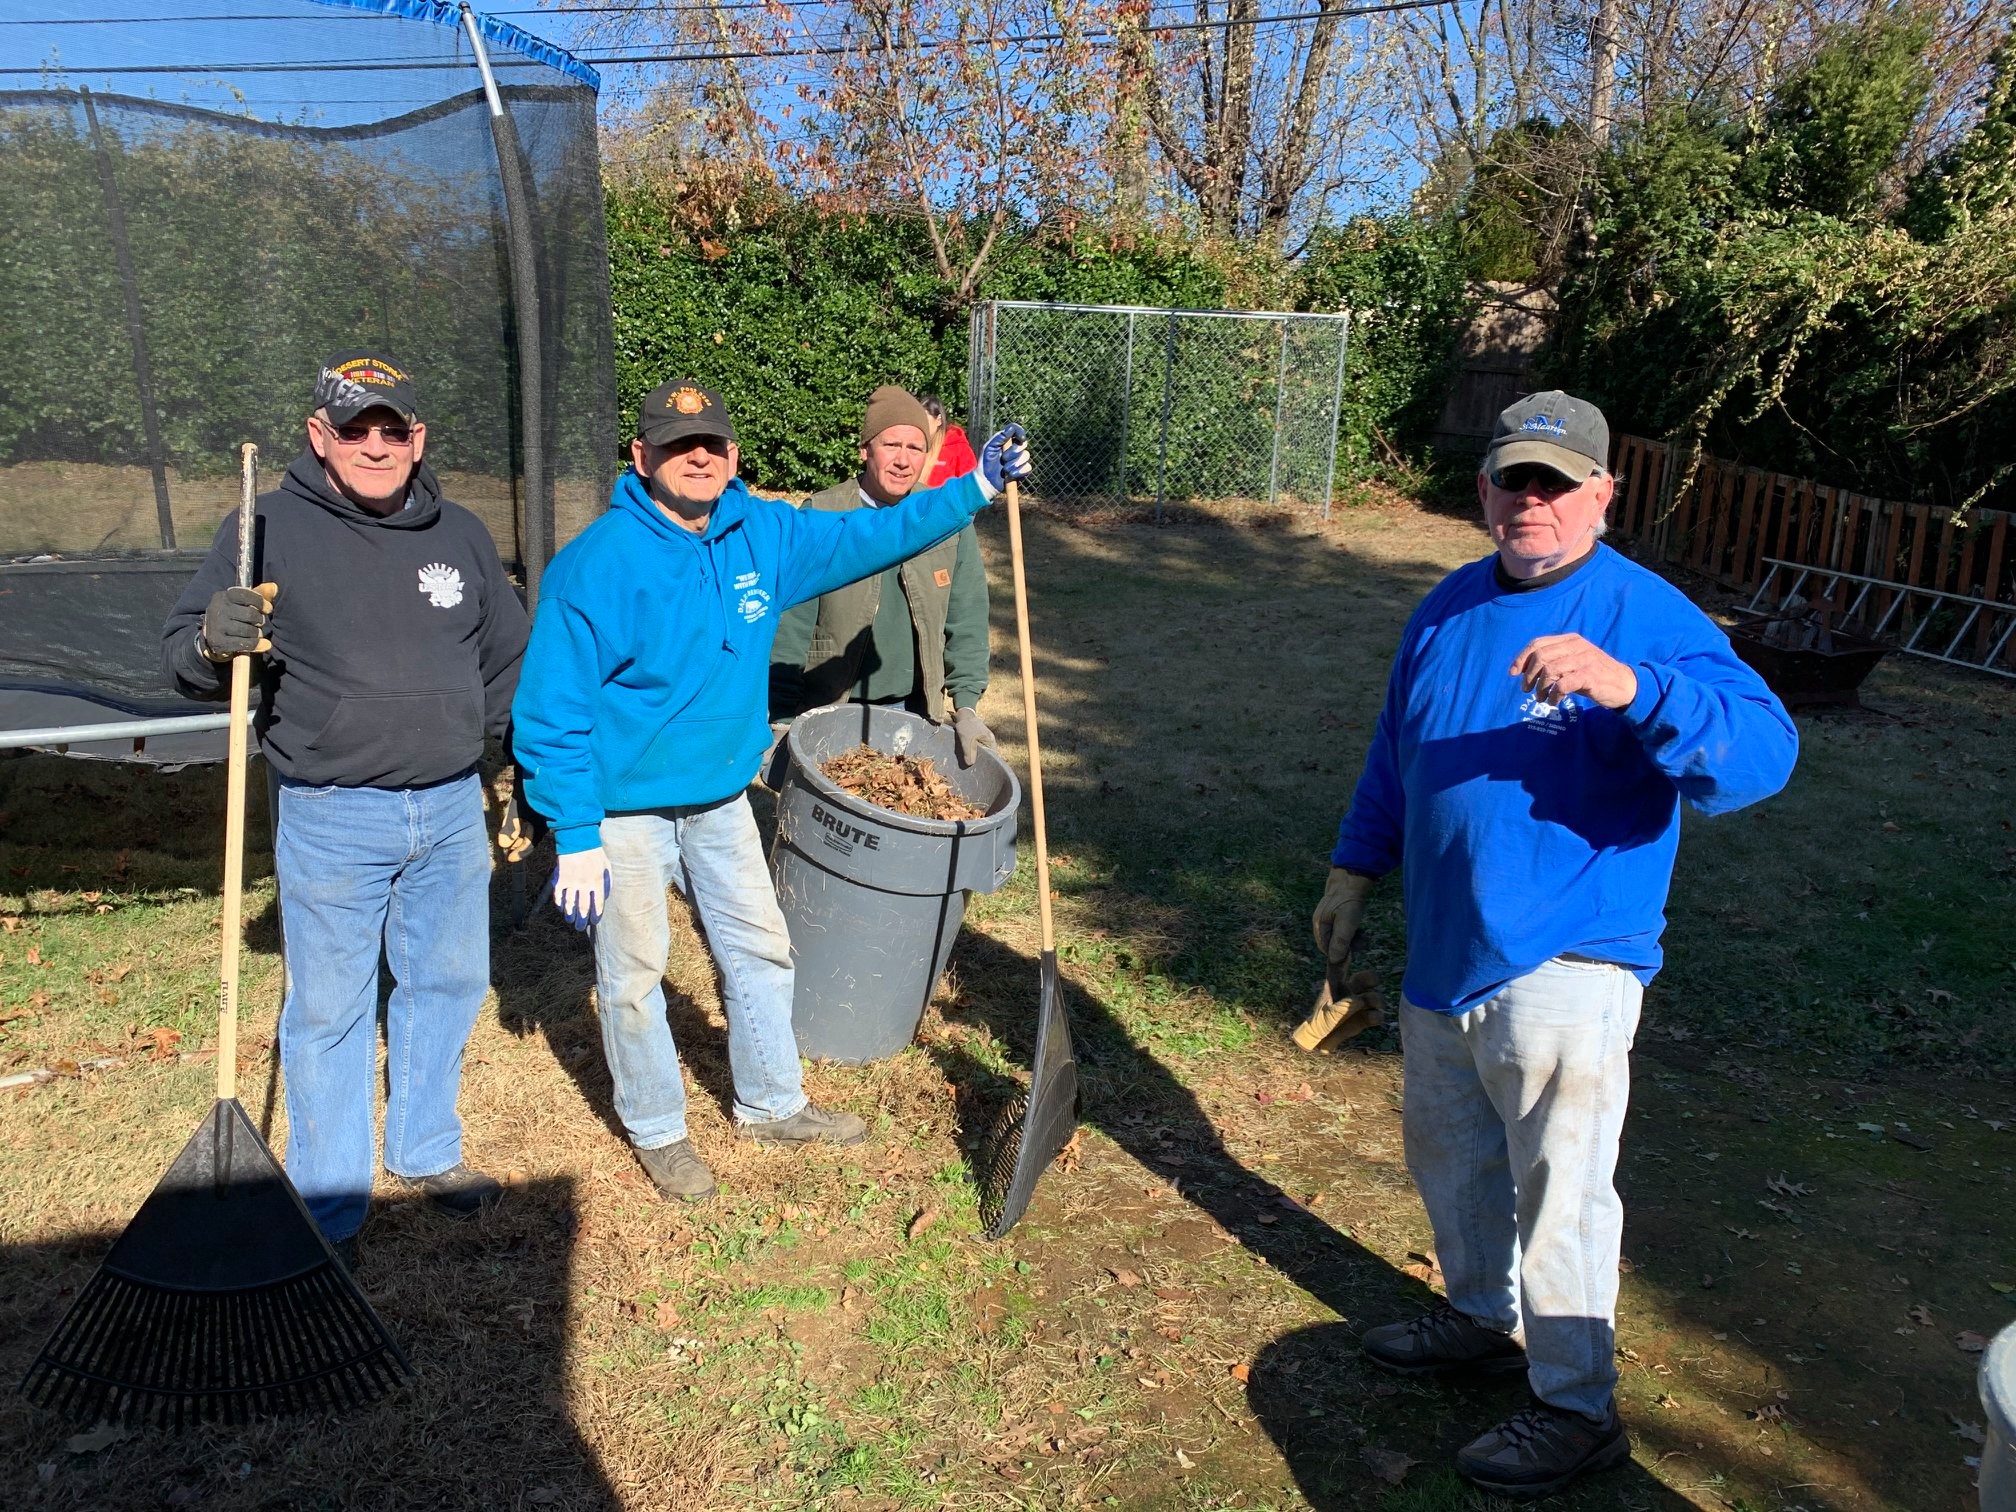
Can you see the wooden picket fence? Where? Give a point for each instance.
(1729, 519)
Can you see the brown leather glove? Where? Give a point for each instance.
(1338, 916)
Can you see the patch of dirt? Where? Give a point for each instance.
(905, 784)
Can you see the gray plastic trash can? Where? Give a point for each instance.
(1998, 1397)
(874, 899)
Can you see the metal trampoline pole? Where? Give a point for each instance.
(136, 330)
(522, 250)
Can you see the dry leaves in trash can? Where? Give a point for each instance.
(904, 784)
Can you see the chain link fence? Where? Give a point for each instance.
(1130, 408)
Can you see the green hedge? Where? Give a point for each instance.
(796, 316)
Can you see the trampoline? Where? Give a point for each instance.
(204, 203)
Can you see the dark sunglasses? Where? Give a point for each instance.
(1535, 478)
(355, 434)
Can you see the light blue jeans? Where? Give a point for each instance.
(714, 856)
(1512, 1116)
(360, 869)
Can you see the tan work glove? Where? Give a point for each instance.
(1338, 916)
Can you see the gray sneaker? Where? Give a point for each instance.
(1441, 1341)
(677, 1172)
(457, 1191)
(811, 1124)
(1540, 1450)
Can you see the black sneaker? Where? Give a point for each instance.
(457, 1191)
(1441, 1341)
(677, 1172)
(1540, 1450)
(811, 1124)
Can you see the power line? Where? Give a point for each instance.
(720, 55)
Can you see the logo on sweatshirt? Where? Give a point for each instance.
(752, 605)
(442, 584)
(1550, 718)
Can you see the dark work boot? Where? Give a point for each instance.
(1442, 1341)
(677, 1172)
(1540, 1450)
(457, 1191)
(811, 1124)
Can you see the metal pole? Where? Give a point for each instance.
(1336, 415)
(519, 245)
(1126, 407)
(136, 331)
(973, 319)
(1168, 378)
(122, 729)
(1280, 391)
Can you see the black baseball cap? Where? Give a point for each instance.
(681, 409)
(360, 379)
(1554, 429)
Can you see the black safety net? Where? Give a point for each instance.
(202, 203)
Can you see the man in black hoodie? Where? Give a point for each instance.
(390, 641)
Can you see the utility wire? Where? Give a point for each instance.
(721, 55)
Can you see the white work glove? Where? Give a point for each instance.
(969, 734)
(581, 886)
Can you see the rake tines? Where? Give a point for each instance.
(221, 1302)
(1029, 1131)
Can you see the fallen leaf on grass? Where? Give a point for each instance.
(1242, 1372)
(1667, 1399)
(1389, 1465)
(666, 1315)
(1921, 1315)
(165, 1041)
(1869, 1128)
(1303, 1093)
(1072, 1153)
(1423, 1267)
(1170, 1293)
(1974, 1433)
(921, 1220)
(1185, 1461)
(1770, 1412)
(1785, 1188)
(104, 1436)
(34, 955)
(1970, 1342)
(1906, 1137)
(1125, 1277)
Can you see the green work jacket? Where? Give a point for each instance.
(848, 643)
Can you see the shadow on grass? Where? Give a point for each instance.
(481, 1310)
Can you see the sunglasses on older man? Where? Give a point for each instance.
(356, 433)
(1535, 478)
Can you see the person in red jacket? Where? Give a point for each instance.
(948, 453)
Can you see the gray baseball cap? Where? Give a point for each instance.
(1554, 429)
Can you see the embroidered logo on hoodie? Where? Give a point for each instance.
(442, 584)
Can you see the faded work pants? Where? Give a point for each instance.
(1513, 1112)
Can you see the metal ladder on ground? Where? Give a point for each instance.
(1991, 623)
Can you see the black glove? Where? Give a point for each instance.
(235, 622)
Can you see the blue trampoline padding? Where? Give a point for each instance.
(497, 33)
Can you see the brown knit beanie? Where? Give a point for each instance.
(890, 405)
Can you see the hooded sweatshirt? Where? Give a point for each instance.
(396, 638)
(646, 685)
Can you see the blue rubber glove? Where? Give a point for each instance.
(581, 886)
(1005, 457)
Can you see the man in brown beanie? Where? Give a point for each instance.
(914, 635)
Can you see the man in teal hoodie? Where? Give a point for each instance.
(640, 720)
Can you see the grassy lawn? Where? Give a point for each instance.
(1817, 1172)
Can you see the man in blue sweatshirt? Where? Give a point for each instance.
(388, 649)
(1549, 709)
(642, 717)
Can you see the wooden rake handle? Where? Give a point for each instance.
(234, 803)
(1029, 713)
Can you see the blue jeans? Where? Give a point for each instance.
(714, 856)
(360, 869)
(1512, 1116)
